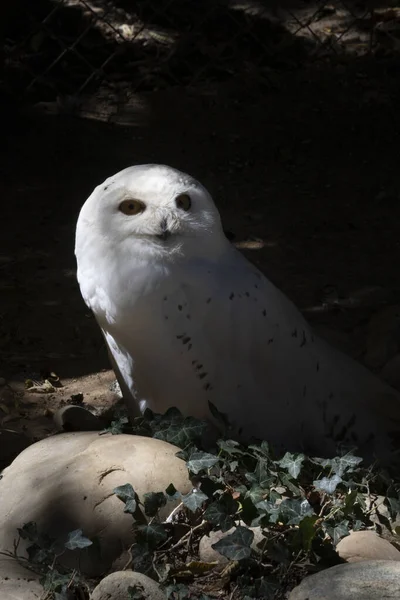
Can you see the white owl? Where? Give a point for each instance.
(188, 320)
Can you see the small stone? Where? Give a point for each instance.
(116, 586)
(366, 545)
(208, 554)
(76, 418)
(366, 580)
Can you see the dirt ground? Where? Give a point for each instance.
(304, 171)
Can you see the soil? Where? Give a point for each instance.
(303, 167)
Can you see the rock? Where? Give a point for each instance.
(66, 482)
(366, 545)
(208, 554)
(11, 444)
(366, 580)
(77, 418)
(18, 583)
(116, 586)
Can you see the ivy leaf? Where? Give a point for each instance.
(306, 532)
(201, 461)
(153, 501)
(255, 493)
(292, 463)
(293, 511)
(127, 494)
(194, 499)
(118, 426)
(151, 535)
(394, 506)
(230, 447)
(237, 545)
(176, 429)
(76, 540)
(55, 581)
(172, 492)
(340, 464)
(338, 531)
(269, 508)
(327, 484)
(219, 513)
(262, 475)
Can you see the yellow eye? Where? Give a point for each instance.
(183, 202)
(131, 207)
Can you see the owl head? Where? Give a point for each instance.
(150, 210)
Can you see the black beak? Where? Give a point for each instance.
(165, 232)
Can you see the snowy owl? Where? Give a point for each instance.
(189, 321)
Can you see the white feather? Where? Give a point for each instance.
(189, 320)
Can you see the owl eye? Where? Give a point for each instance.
(131, 207)
(183, 202)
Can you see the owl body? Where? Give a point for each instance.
(189, 321)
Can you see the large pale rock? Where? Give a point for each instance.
(116, 586)
(369, 580)
(66, 482)
(18, 583)
(208, 554)
(366, 545)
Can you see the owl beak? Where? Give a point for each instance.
(165, 232)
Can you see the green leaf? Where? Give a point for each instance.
(327, 484)
(338, 531)
(394, 506)
(201, 461)
(40, 555)
(127, 494)
(293, 511)
(194, 499)
(219, 513)
(262, 475)
(151, 535)
(118, 426)
(237, 545)
(287, 481)
(340, 464)
(230, 447)
(172, 492)
(153, 501)
(76, 540)
(53, 581)
(292, 463)
(255, 493)
(176, 429)
(306, 532)
(269, 508)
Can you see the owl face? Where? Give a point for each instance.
(154, 207)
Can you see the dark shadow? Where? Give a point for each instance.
(306, 161)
